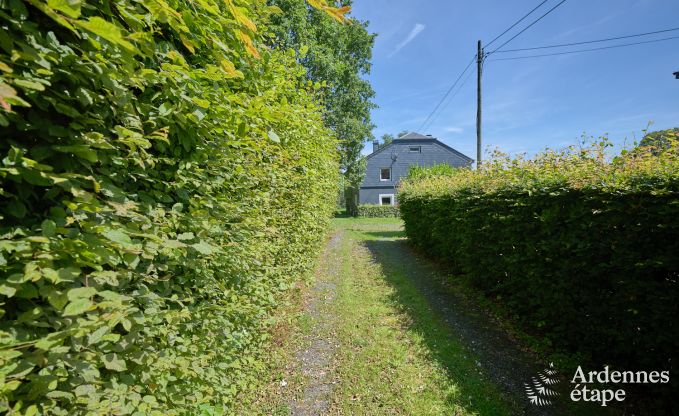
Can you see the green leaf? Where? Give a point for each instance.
(31, 410)
(16, 208)
(78, 306)
(80, 150)
(204, 248)
(70, 8)
(106, 30)
(201, 102)
(50, 341)
(66, 274)
(49, 228)
(28, 84)
(274, 137)
(8, 291)
(57, 299)
(113, 362)
(81, 292)
(118, 236)
(95, 336)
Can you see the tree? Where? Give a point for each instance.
(338, 56)
(388, 138)
(661, 140)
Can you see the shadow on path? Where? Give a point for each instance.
(497, 356)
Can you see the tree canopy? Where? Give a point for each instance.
(337, 56)
(388, 138)
(660, 140)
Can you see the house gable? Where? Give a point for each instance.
(394, 160)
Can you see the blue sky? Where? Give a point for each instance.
(422, 46)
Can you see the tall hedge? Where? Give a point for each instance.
(163, 180)
(582, 249)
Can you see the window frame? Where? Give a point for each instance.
(391, 199)
(382, 179)
(410, 149)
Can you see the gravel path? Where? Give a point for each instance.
(315, 361)
(499, 357)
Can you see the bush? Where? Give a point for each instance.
(161, 185)
(582, 250)
(377, 211)
(421, 172)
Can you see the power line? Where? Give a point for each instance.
(464, 82)
(529, 26)
(516, 23)
(445, 105)
(447, 93)
(434, 114)
(588, 41)
(583, 50)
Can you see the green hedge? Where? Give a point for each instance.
(162, 184)
(583, 251)
(377, 211)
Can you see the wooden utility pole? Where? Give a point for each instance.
(479, 68)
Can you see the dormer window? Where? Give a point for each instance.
(385, 174)
(415, 149)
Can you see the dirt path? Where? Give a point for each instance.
(496, 354)
(415, 347)
(315, 361)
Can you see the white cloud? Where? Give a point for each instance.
(416, 30)
(453, 129)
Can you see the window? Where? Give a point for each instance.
(386, 199)
(415, 149)
(385, 174)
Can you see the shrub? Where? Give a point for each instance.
(160, 188)
(377, 211)
(421, 172)
(582, 250)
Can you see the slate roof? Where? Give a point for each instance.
(418, 136)
(413, 136)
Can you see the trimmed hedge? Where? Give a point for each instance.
(585, 252)
(377, 211)
(162, 183)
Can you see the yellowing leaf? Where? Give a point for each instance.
(338, 13)
(6, 92)
(247, 42)
(240, 16)
(201, 102)
(187, 43)
(230, 69)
